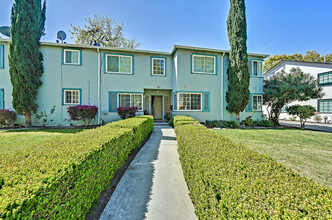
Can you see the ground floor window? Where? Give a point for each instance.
(183, 101)
(71, 96)
(255, 103)
(131, 100)
(325, 106)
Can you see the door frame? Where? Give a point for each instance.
(162, 105)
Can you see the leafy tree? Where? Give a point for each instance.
(103, 31)
(310, 56)
(25, 59)
(283, 88)
(238, 92)
(302, 111)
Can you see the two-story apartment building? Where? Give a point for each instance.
(186, 81)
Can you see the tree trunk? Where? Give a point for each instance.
(27, 119)
(238, 117)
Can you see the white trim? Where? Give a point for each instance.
(71, 50)
(178, 101)
(71, 96)
(156, 58)
(116, 55)
(118, 99)
(198, 55)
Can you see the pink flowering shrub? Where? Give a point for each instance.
(7, 117)
(127, 112)
(82, 112)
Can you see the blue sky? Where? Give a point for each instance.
(274, 26)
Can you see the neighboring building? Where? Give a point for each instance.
(186, 81)
(322, 72)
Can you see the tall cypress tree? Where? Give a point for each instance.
(25, 59)
(238, 92)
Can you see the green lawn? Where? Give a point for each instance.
(308, 153)
(11, 140)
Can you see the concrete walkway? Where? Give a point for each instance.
(153, 187)
(308, 125)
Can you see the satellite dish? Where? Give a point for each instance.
(61, 35)
(5, 30)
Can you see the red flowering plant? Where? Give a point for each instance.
(82, 112)
(127, 112)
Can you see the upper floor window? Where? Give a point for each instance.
(71, 96)
(203, 64)
(325, 78)
(255, 67)
(131, 100)
(2, 57)
(119, 64)
(325, 105)
(72, 56)
(158, 66)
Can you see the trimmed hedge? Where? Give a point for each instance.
(62, 178)
(230, 181)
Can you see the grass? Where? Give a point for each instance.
(16, 139)
(308, 153)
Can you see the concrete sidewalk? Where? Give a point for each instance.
(308, 125)
(153, 187)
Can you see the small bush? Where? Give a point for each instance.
(168, 116)
(293, 118)
(171, 122)
(231, 124)
(127, 112)
(318, 118)
(7, 117)
(230, 181)
(302, 111)
(62, 178)
(248, 122)
(82, 112)
(264, 123)
(44, 117)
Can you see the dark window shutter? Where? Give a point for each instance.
(1, 56)
(2, 99)
(206, 101)
(113, 101)
(249, 67)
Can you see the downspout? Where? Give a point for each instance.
(99, 92)
(222, 86)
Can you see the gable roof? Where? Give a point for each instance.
(284, 62)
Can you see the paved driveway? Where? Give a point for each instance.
(309, 126)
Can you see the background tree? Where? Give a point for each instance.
(283, 88)
(238, 92)
(103, 31)
(310, 56)
(302, 111)
(25, 59)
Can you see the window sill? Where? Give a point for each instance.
(204, 73)
(119, 73)
(72, 64)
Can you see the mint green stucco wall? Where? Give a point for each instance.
(179, 78)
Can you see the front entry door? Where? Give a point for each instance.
(157, 107)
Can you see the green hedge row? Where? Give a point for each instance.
(61, 179)
(230, 181)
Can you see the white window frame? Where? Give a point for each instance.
(130, 94)
(156, 58)
(71, 90)
(191, 93)
(71, 50)
(198, 55)
(117, 55)
(252, 103)
(252, 68)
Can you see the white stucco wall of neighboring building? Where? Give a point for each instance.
(313, 69)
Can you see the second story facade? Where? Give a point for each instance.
(186, 81)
